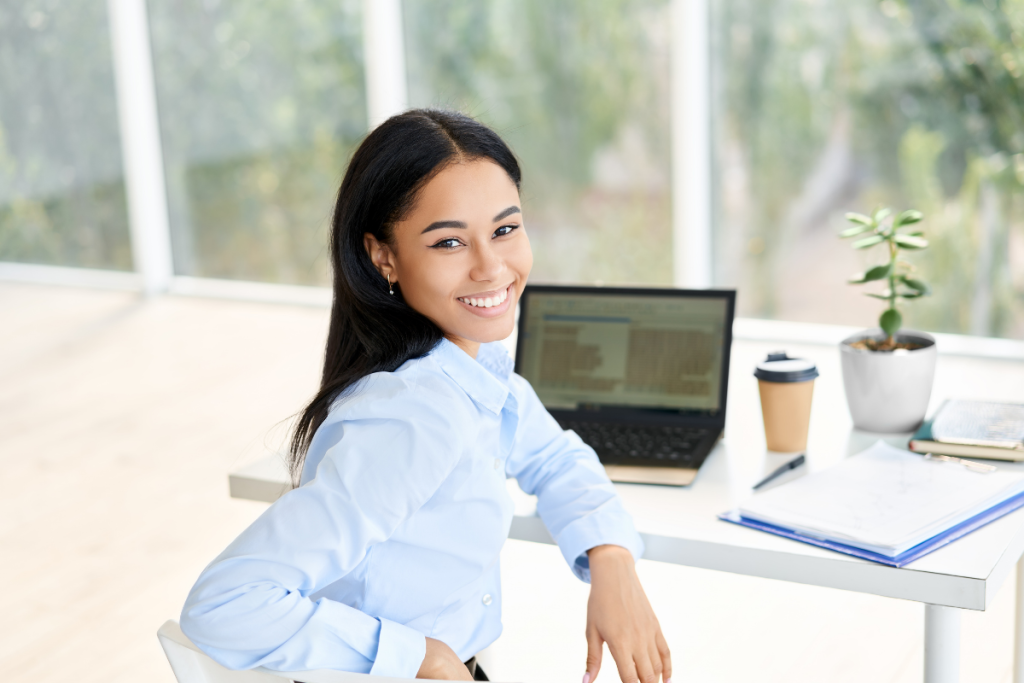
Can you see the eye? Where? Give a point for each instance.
(447, 243)
(505, 230)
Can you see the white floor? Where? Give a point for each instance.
(119, 419)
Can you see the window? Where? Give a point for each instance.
(260, 106)
(827, 106)
(580, 92)
(818, 107)
(62, 195)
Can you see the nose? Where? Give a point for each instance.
(487, 263)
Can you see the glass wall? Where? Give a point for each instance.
(818, 107)
(579, 89)
(827, 106)
(62, 195)
(260, 106)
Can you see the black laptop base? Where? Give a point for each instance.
(645, 453)
(652, 446)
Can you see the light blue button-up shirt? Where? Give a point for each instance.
(396, 530)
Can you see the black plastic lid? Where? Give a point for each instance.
(778, 367)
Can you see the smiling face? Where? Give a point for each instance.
(461, 255)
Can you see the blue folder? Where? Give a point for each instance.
(904, 558)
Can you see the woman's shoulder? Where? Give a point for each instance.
(418, 385)
(417, 399)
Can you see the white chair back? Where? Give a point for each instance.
(192, 665)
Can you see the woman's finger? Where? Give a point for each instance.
(644, 669)
(654, 657)
(624, 661)
(666, 657)
(595, 649)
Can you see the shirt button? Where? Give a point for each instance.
(486, 599)
(497, 463)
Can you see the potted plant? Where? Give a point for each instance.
(888, 371)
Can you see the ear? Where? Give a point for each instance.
(381, 256)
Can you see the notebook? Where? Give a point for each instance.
(980, 429)
(884, 504)
(639, 374)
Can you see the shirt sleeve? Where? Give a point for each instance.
(575, 498)
(251, 606)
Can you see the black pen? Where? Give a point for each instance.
(791, 465)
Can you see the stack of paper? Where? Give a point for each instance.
(885, 501)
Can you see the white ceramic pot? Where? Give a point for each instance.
(888, 391)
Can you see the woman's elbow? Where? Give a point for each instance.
(240, 627)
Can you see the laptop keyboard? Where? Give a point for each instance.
(626, 444)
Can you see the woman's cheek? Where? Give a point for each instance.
(525, 257)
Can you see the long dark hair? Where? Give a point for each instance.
(372, 331)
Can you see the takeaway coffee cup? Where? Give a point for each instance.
(786, 385)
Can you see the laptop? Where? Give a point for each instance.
(639, 374)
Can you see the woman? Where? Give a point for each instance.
(385, 559)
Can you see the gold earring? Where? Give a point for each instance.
(391, 290)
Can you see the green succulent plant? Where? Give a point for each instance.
(896, 234)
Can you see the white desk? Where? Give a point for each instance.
(679, 525)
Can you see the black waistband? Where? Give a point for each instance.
(475, 670)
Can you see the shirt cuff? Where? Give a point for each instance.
(400, 651)
(609, 525)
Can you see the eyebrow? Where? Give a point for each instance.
(506, 213)
(437, 225)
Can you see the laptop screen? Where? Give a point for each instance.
(622, 349)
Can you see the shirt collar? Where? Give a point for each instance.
(494, 356)
(484, 379)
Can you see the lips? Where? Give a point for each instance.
(486, 299)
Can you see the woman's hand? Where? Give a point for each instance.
(442, 664)
(618, 613)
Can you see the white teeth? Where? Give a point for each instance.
(487, 302)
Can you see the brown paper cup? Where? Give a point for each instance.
(786, 407)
